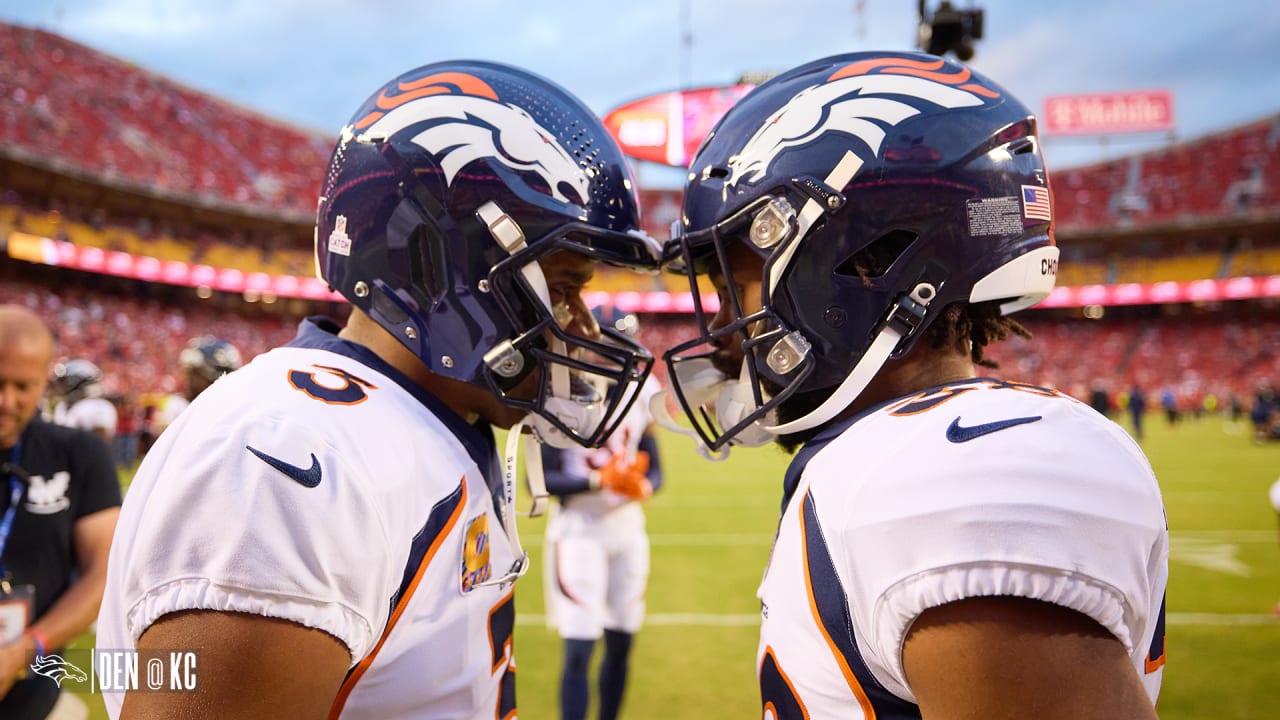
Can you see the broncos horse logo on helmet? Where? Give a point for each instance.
(444, 191)
(910, 160)
(859, 105)
(460, 129)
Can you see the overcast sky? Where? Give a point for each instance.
(311, 62)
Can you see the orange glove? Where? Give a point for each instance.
(626, 478)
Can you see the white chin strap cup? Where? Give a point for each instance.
(578, 416)
(705, 386)
(735, 402)
(573, 401)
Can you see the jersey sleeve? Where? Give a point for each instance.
(227, 526)
(1067, 512)
(94, 413)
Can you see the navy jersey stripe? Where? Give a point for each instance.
(831, 608)
(440, 519)
(443, 517)
(1155, 655)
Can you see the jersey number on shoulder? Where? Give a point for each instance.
(502, 624)
(331, 385)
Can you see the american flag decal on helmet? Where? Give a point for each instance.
(1035, 203)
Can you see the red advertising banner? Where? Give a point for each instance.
(668, 128)
(47, 251)
(1136, 111)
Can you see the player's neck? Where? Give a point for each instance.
(458, 396)
(924, 367)
(362, 330)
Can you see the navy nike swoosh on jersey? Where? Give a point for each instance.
(307, 477)
(958, 434)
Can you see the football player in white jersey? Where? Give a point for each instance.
(950, 545)
(77, 399)
(204, 360)
(597, 550)
(329, 525)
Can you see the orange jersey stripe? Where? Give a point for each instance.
(349, 684)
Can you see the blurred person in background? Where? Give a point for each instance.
(1265, 414)
(77, 399)
(596, 561)
(125, 445)
(1137, 409)
(59, 500)
(203, 360)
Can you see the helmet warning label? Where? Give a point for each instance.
(995, 216)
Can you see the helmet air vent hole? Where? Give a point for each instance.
(877, 258)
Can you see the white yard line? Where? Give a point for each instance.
(753, 619)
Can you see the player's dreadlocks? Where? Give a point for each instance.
(981, 323)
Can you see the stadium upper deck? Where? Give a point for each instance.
(1202, 209)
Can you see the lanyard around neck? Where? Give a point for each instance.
(15, 497)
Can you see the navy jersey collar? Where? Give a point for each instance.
(321, 333)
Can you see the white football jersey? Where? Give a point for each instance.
(88, 414)
(978, 488)
(581, 462)
(319, 485)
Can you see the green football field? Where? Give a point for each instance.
(711, 526)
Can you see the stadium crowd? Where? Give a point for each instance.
(136, 341)
(1208, 361)
(124, 127)
(73, 106)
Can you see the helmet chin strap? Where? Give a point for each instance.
(537, 491)
(854, 383)
(905, 316)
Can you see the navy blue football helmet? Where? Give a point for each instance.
(445, 189)
(911, 159)
(76, 378)
(209, 356)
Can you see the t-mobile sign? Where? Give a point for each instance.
(1122, 112)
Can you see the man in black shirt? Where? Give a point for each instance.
(59, 498)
